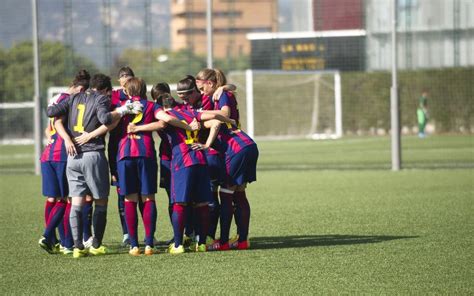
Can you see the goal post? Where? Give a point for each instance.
(290, 104)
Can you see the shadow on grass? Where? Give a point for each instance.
(302, 241)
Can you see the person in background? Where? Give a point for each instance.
(422, 113)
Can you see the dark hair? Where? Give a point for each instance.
(101, 82)
(82, 79)
(160, 89)
(126, 71)
(167, 101)
(187, 84)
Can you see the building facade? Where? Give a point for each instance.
(431, 33)
(232, 20)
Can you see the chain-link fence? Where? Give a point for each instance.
(164, 40)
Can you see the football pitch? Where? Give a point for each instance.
(328, 217)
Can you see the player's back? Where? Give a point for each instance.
(86, 111)
(228, 99)
(181, 140)
(55, 150)
(140, 144)
(232, 139)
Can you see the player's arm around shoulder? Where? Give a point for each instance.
(103, 110)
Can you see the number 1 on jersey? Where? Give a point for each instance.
(79, 127)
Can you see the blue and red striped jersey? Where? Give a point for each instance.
(228, 99)
(118, 97)
(56, 150)
(165, 147)
(232, 140)
(181, 140)
(139, 144)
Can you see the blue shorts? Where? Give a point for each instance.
(215, 165)
(191, 185)
(54, 179)
(137, 175)
(165, 174)
(242, 167)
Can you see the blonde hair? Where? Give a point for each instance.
(214, 75)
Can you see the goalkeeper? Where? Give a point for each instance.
(87, 171)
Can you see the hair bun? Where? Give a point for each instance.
(83, 75)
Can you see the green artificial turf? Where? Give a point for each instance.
(328, 217)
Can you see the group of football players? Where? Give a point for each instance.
(205, 163)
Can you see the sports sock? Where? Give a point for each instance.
(226, 214)
(68, 241)
(48, 206)
(131, 218)
(214, 212)
(189, 222)
(121, 210)
(87, 220)
(178, 223)
(149, 221)
(236, 216)
(243, 206)
(140, 204)
(170, 205)
(55, 217)
(75, 220)
(202, 217)
(99, 221)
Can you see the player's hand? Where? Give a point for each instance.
(233, 122)
(194, 125)
(131, 128)
(217, 94)
(199, 146)
(49, 139)
(70, 147)
(137, 107)
(114, 179)
(126, 108)
(82, 139)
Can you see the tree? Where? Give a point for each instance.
(18, 82)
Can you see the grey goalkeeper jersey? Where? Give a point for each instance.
(85, 112)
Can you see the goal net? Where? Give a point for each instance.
(289, 104)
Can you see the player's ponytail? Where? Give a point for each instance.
(220, 78)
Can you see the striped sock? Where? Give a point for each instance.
(48, 206)
(131, 218)
(68, 241)
(149, 221)
(55, 217)
(178, 223)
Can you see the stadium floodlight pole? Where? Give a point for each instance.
(37, 98)
(394, 110)
(209, 34)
